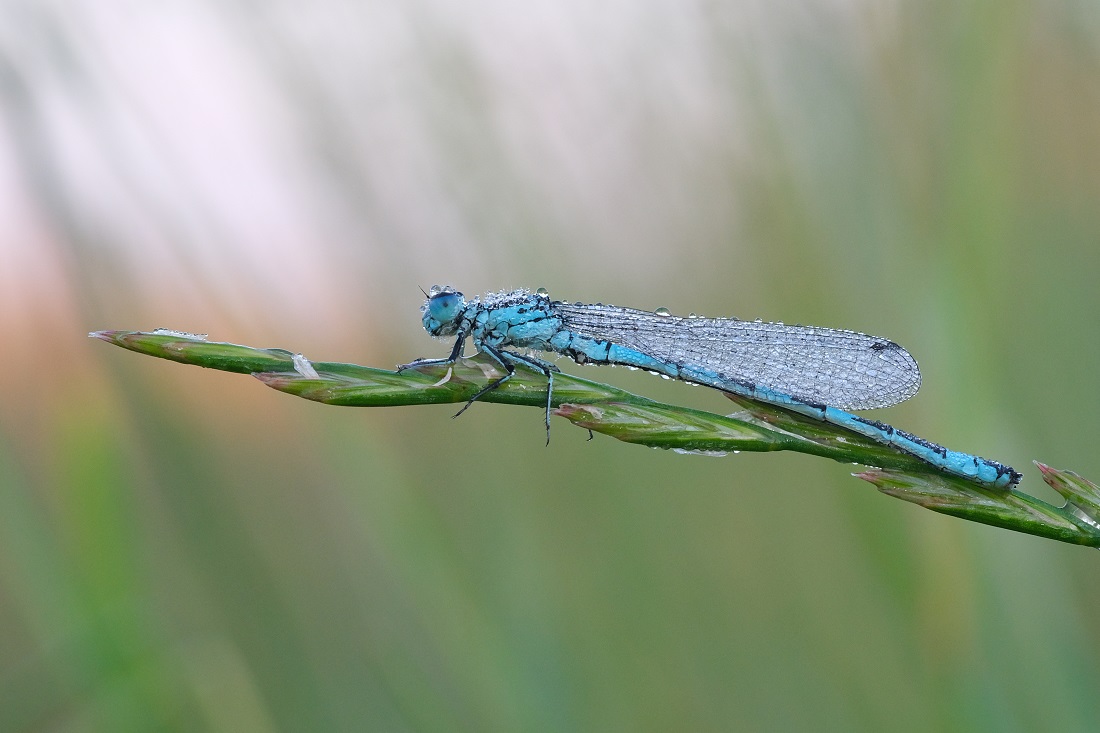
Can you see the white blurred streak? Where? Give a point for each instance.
(608, 113)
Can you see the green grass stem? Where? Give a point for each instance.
(633, 419)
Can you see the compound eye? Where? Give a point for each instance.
(444, 307)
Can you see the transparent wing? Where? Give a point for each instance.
(845, 369)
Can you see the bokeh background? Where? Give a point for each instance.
(182, 549)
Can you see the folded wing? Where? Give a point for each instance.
(845, 369)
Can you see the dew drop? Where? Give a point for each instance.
(663, 312)
(692, 315)
(696, 452)
(435, 290)
(180, 334)
(543, 292)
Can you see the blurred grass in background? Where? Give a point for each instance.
(183, 549)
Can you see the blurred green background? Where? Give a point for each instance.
(183, 549)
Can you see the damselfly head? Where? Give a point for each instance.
(443, 310)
